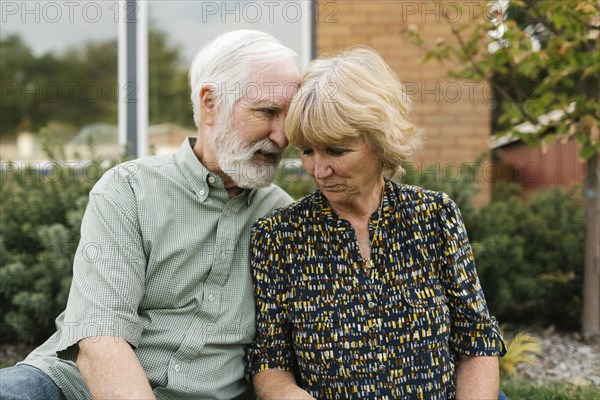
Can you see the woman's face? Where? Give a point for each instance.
(343, 172)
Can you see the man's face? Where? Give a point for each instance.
(249, 145)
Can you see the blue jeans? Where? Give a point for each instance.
(502, 396)
(24, 382)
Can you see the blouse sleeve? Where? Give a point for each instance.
(272, 346)
(473, 331)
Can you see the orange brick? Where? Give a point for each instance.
(456, 129)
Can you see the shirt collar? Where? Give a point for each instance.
(325, 212)
(200, 178)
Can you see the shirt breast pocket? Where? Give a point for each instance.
(316, 334)
(427, 315)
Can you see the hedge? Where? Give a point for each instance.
(529, 253)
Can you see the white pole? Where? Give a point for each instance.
(122, 77)
(307, 21)
(142, 75)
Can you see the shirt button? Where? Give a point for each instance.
(379, 349)
(211, 179)
(177, 368)
(223, 256)
(347, 345)
(227, 213)
(371, 305)
(381, 367)
(211, 297)
(202, 192)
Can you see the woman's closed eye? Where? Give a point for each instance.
(332, 151)
(306, 151)
(335, 151)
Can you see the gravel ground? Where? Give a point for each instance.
(564, 358)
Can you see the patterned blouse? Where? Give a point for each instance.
(390, 329)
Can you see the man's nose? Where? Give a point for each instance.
(277, 133)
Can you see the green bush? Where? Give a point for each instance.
(39, 231)
(295, 184)
(529, 253)
(41, 207)
(456, 180)
(530, 256)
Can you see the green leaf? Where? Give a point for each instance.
(588, 151)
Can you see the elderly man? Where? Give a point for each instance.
(161, 304)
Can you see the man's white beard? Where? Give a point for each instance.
(235, 157)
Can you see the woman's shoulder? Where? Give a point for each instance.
(295, 213)
(418, 196)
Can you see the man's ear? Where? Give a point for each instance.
(208, 108)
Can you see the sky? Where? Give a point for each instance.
(54, 26)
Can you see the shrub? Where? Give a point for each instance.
(39, 231)
(461, 187)
(529, 253)
(41, 208)
(297, 187)
(520, 350)
(530, 256)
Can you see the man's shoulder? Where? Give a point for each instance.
(272, 196)
(130, 172)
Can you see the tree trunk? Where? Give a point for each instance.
(591, 282)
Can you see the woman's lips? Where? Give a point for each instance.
(331, 188)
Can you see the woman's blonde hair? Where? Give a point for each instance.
(355, 94)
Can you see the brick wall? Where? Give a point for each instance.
(455, 114)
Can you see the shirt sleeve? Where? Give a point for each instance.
(108, 269)
(473, 331)
(272, 347)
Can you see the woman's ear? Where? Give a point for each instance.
(208, 108)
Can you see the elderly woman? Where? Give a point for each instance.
(366, 289)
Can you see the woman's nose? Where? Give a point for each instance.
(323, 168)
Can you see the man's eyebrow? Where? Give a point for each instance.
(266, 106)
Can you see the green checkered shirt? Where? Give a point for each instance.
(163, 262)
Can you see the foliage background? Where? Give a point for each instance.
(40, 216)
(529, 252)
(79, 86)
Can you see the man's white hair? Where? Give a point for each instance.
(227, 64)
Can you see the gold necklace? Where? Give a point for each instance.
(368, 263)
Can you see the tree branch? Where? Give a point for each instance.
(480, 72)
(544, 21)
